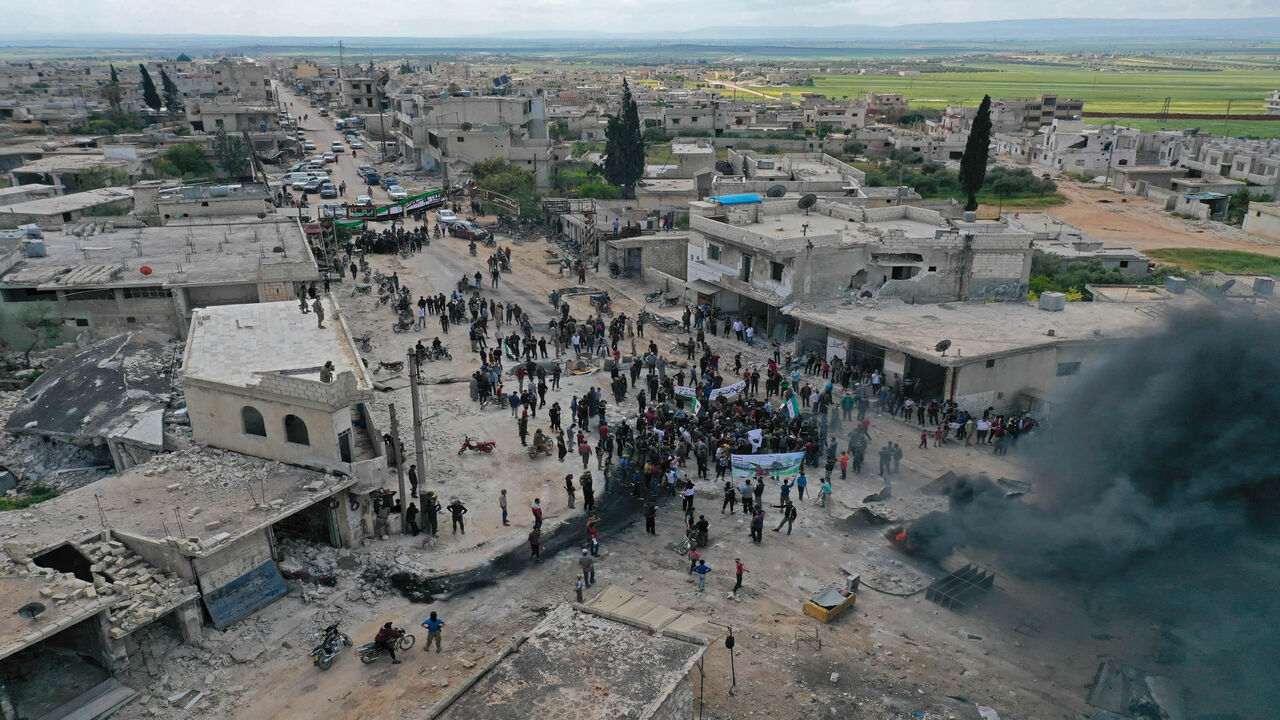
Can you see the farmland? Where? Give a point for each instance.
(1129, 90)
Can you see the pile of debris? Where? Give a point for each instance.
(145, 591)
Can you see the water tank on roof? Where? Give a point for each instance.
(970, 216)
(192, 193)
(1175, 285)
(34, 248)
(1264, 286)
(219, 191)
(1053, 301)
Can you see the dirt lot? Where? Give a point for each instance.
(1026, 650)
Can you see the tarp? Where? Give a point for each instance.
(778, 465)
(739, 199)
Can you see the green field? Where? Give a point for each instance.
(1227, 261)
(1124, 91)
(1231, 128)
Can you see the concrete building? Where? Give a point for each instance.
(1263, 220)
(886, 106)
(1273, 103)
(129, 277)
(1072, 146)
(53, 212)
(158, 202)
(241, 78)
(651, 664)
(24, 193)
(1011, 355)
(67, 171)
(225, 112)
(1015, 115)
(1138, 179)
(361, 90)
(457, 132)
(268, 399)
(753, 255)
(1072, 244)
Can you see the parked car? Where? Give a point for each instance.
(300, 184)
(372, 177)
(328, 190)
(308, 146)
(357, 145)
(395, 192)
(364, 200)
(467, 231)
(337, 147)
(330, 157)
(333, 209)
(324, 112)
(313, 185)
(314, 166)
(445, 216)
(296, 167)
(339, 124)
(364, 169)
(300, 135)
(389, 180)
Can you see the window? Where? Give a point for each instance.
(1068, 368)
(135, 293)
(713, 252)
(295, 431)
(1124, 263)
(81, 322)
(746, 268)
(675, 121)
(775, 271)
(131, 319)
(251, 422)
(933, 268)
(88, 295)
(991, 363)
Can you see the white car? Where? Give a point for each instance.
(364, 200)
(357, 145)
(395, 192)
(337, 147)
(308, 145)
(444, 217)
(330, 157)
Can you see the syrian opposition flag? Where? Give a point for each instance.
(793, 406)
(692, 395)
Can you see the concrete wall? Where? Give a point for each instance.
(163, 555)
(232, 560)
(667, 255)
(1263, 220)
(678, 704)
(215, 420)
(110, 317)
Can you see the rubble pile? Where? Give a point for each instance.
(145, 592)
(60, 588)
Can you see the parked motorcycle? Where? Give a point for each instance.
(323, 655)
(670, 300)
(393, 366)
(404, 324)
(653, 296)
(384, 299)
(361, 289)
(363, 342)
(372, 651)
(477, 445)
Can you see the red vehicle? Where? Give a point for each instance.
(467, 231)
(477, 445)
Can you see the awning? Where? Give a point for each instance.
(704, 287)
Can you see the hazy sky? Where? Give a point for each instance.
(417, 18)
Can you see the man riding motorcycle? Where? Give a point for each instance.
(387, 638)
(541, 441)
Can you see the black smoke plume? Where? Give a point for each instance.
(1158, 481)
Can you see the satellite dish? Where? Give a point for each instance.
(776, 191)
(808, 201)
(942, 346)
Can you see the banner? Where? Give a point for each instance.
(733, 389)
(389, 211)
(360, 211)
(351, 223)
(688, 392)
(756, 437)
(777, 466)
(793, 406)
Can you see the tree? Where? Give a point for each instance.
(624, 143)
(499, 176)
(41, 326)
(172, 97)
(149, 94)
(115, 76)
(233, 156)
(1238, 206)
(114, 96)
(100, 176)
(188, 158)
(973, 165)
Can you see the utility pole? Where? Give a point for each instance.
(399, 460)
(415, 379)
(1226, 119)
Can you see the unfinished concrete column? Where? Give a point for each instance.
(190, 622)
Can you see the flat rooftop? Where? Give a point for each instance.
(579, 665)
(68, 163)
(230, 250)
(982, 330)
(814, 170)
(215, 495)
(69, 203)
(273, 337)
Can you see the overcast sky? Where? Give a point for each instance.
(419, 18)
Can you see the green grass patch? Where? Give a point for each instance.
(1236, 262)
(35, 494)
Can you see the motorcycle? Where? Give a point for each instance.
(393, 366)
(653, 296)
(441, 354)
(372, 651)
(535, 450)
(363, 342)
(404, 324)
(670, 300)
(322, 655)
(477, 445)
(361, 290)
(384, 299)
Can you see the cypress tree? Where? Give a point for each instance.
(624, 143)
(973, 165)
(149, 94)
(172, 98)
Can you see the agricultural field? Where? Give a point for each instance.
(1128, 90)
(1227, 261)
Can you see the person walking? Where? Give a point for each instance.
(569, 488)
(702, 569)
(757, 525)
(584, 449)
(694, 556)
(730, 498)
(457, 510)
(535, 537)
(588, 564)
(502, 503)
(824, 492)
(536, 508)
(844, 469)
(433, 624)
(318, 308)
(650, 517)
(738, 569)
(802, 482)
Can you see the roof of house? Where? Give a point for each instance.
(69, 203)
(115, 388)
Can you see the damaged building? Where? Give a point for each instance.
(749, 254)
(111, 395)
